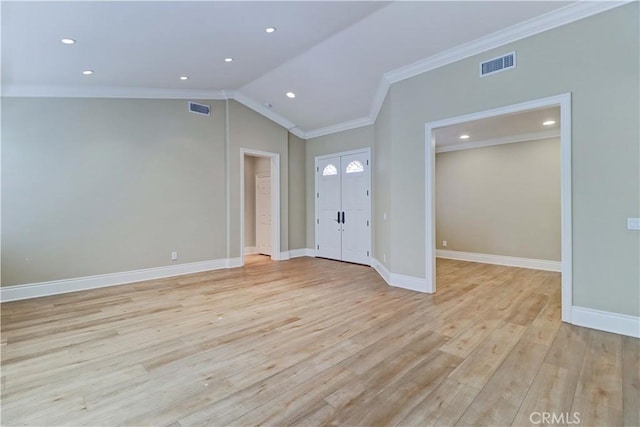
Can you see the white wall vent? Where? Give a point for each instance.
(495, 65)
(203, 109)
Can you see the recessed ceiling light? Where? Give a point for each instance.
(184, 78)
(291, 95)
(549, 123)
(270, 29)
(67, 41)
(464, 136)
(87, 72)
(228, 59)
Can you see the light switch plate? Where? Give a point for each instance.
(633, 223)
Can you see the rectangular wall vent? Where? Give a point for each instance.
(495, 65)
(205, 110)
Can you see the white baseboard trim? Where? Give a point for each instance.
(536, 264)
(606, 321)
(250, 250)
(234, 262)
(35, 290)
(284, 256)
(411, 283)
(297, 253)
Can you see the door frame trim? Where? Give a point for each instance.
(315, 190)
(564, 102)
(275, 200)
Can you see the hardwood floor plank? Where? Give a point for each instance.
(293, 403)
(552, 392)
(463, 344)
(481, 364)
(311, 342)
(631, 381)
(599, 382)
(442, 407)
(568, 347)
(499, 400)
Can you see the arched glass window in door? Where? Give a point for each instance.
(329, 170)
(355, 167)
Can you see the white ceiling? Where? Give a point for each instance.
(515, 127)
(334, 55)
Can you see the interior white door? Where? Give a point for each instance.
(263, 213)
(329, 208)
(356, 207)
(343, 203)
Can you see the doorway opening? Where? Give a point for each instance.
(563, 102)
(259, 204)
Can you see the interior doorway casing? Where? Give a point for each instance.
(274, 158)
(564, 102)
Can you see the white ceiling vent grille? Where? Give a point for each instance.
(495, 65)
(203, 109)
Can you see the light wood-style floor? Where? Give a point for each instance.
(312, 342)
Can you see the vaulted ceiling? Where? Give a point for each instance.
(336, 56)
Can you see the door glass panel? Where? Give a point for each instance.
(329, 170)
(355, 167)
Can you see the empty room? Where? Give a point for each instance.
(320, 213)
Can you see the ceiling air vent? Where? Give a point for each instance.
(495, 65)
(205, 110)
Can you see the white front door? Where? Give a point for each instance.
(343, 207)
(263, 213)
(356, 208)
(329, 208)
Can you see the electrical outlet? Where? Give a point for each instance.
(174, 256)
(633, 223)
(444, 243)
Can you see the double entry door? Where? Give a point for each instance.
(343, 207)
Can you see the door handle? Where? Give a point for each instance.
(338, 220)
(343, 217)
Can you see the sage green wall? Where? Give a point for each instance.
(297, 193)
(500, 200)
(605, 132)
(95, 186)
(248, 129)
(382, 154)
(335, 143)
(92, 186)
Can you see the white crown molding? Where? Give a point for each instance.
(44, 91)
(606, 321)
(548, 21)
(566, 15)
(524, 137)
(380, 96)
(35, 290)
(267, 112)
(340, 127)
(536, 264)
